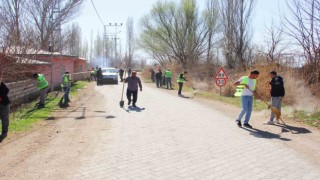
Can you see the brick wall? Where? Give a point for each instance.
(18, 93)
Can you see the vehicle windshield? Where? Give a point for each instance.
(109, 70)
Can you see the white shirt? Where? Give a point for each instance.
(247, 92)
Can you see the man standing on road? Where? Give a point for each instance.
(121, 72)
(159, 78)
(42, 85)
(168, 75)
(277, 93)
(66, 84)
(152, 74)
(180, 81)
(99, 77)
(4, 110)
(246, 88)
(132, 90)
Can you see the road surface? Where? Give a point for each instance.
(167, 137)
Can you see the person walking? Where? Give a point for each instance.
(66, 84)
(99, 77)
(43, 86)
(129, 72)
(246, 88)
(92, 74)
(181, 79)
(277, 93)
(168, 76)
(4, 110)
(133, 84)
(121, 73)
(159, 78)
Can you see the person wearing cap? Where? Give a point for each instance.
(66, 84)
(133, 84)
(4, 109)
(277, 93)
(168, 75)
(43, 86)
(246, 89)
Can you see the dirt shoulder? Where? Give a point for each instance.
(304, 139)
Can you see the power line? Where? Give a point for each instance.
(97, 12)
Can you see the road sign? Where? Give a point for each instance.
(221, 82)
(221, 74)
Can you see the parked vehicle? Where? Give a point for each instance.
(110, 75)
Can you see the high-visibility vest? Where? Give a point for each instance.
(42, 82)
(180, 80)
(240, 88)
(66, 80)
(168, 74)
(92, 72)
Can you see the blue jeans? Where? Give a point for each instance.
(66, 94)
(247, 102)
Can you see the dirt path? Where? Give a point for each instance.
(167, 137)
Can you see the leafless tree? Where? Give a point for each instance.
(304, 28)
(130, 41)
(236, 17)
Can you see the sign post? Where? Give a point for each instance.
(221, 78)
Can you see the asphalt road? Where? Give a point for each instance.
(166, 137)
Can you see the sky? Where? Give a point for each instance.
(117, 11)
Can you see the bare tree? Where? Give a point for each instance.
(304, 28)
(236, 16)
(130, 41)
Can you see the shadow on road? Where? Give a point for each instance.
(295, 130)
(136, 109)
(265, 134)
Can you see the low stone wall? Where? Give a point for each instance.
(21, 92)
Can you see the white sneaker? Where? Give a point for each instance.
(276, 121)
(269, 122)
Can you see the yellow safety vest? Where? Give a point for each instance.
(245, 81)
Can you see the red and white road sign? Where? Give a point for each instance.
(221, 82)
(221, 74)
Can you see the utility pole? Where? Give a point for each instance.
(116, 25)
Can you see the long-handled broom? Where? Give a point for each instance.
(124, 82)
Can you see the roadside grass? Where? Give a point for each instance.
(312, 119)
(258, 105)
(25, 116)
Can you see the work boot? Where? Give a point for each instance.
(239, 123)
(3, 136)
(247, 125)
(129, 102)
(134, 105)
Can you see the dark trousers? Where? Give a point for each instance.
(134, 94)
(180, 87)
(121, 77)
(158, 80)
(66, 94)
(4, 116)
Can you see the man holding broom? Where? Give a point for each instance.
(277, 93)
(246, 88)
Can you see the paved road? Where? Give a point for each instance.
(167, 137)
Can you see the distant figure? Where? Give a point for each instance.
(277, 93)
(168, 76)
(129, 72)
(121, 73)
(4, 110)
(99, 77)
(159, 78)
(152, 73)
(92, 74)
(133, 84)
(246, 88)
(66, 84)
(181, 79)
(43, 86)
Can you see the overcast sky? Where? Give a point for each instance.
(117, 11)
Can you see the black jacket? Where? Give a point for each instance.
(277, 87)
(4, 90)
(159, 75)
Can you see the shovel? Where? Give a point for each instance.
(122, 101)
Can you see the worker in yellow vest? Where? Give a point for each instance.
(246, 89)
(66, 84)
(43, 86)
(181, 79)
